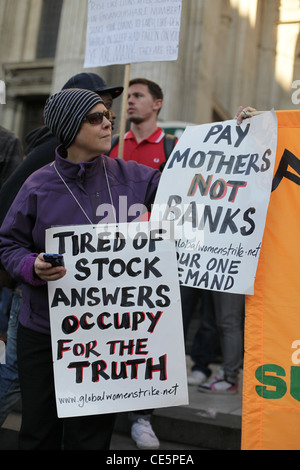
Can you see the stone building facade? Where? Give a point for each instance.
(231, 52)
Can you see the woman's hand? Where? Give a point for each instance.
(46, 271)
(243, 113)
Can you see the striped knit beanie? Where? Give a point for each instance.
(65, 110)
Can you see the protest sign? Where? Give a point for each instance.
(216, 187)
(128, 31)
(116, 321)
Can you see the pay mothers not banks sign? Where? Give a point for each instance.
(216, 187)
(116, 321)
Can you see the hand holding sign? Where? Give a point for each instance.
(244, 113)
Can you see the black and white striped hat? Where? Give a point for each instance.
(65, 110)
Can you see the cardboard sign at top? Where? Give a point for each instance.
(128, 31)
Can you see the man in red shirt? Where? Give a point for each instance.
(145, 142)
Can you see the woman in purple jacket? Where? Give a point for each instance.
(69, 191)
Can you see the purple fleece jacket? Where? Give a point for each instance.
(44, 201)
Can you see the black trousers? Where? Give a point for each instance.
(41, 428)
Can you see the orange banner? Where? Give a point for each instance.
(271, 377)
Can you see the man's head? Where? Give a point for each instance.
(95, 83)
(145, 99)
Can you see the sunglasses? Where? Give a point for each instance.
(97, 118)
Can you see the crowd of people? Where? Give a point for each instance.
(66, 162)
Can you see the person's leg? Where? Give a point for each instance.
(9, 378)
(40, 428)
(189, 299)
(206, 343)
(230, 308)
(88, 432)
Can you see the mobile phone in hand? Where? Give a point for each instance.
(54, 258)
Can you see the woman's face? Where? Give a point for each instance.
(92, 139)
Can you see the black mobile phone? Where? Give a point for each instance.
(54, 259)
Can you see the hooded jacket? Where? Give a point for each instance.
(44, 201)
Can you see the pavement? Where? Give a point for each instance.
(208, 422)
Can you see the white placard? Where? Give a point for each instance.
(116, 320)
(128, 31)
(216, 186)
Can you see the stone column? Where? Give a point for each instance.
(19, 23)
(288, 30)
(70, 47)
